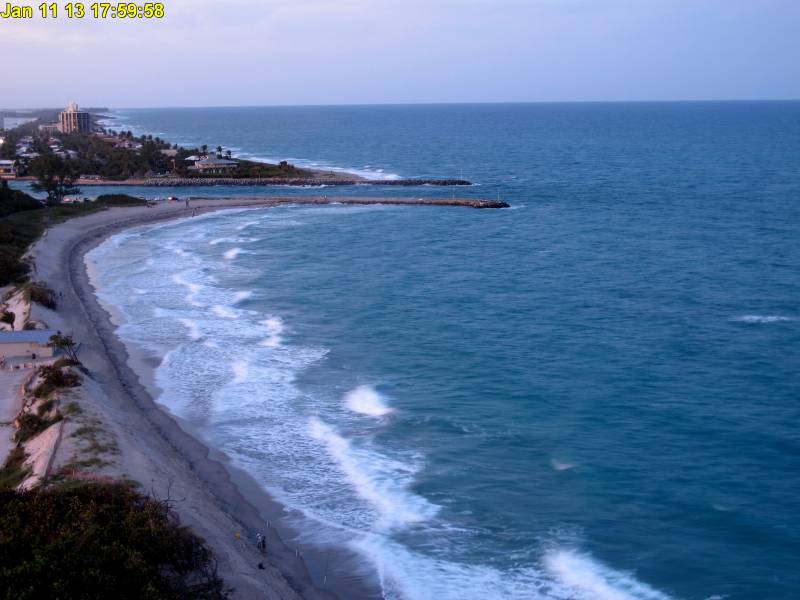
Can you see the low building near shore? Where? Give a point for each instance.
(50, 129)
(214, 166)
(8, 169)
(26, 343)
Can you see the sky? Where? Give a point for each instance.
(287, 52)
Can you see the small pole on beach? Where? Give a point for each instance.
(325, 572)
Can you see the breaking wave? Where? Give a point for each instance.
(365, 400)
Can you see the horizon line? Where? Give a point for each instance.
(434, 103)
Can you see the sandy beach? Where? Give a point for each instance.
(224, 506)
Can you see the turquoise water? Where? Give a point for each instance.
(593, 394)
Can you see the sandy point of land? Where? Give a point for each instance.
(154, 450)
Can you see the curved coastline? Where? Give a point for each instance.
(201, 471)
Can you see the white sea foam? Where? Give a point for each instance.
(274, 326)
(245, 225)
(560, 465)
(365, 400)
(376, 478)
(764, 319)
(232, 253)
(224, 311)
(232, 240)
(194, 289)
(241, 296)
(240, 370)
(587, 578)
(365, 172)
(194, 329)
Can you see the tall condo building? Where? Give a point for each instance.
(71, 119)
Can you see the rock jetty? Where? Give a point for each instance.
(272, 201)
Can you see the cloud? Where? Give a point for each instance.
(343, 51)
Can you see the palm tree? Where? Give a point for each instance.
(204, 149)
(228, 154)
(67, 344)
(219, 151)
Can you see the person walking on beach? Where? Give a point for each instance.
(187, 203)
(261, 542)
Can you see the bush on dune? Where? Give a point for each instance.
(96, 540)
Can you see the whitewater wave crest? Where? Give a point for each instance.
(365, 400)
(764, 319)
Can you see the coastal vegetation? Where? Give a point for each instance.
(54, 377)
(14, 469)
(100, 540)
(55, 177)
(120, 155)
(23, 219)
(12, 201)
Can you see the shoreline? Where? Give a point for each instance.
(316, 181)
(218, 497)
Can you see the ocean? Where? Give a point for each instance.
(590, 395)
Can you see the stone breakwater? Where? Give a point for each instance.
(466, 202)
(261, 181)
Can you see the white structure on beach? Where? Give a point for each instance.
(8, 170)
(26, 343)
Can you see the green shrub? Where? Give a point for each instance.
(14, 469)
(45, 407)
(72, 409)
(66, 361)
(100, 541)
(13, 201)
(41, 294)
(54, 377)
(31, 425)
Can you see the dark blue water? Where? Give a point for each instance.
(593, 394)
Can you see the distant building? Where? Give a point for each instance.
(26, 343)
(50, 129)
(71, 119)
(8, 170)
(214, 166)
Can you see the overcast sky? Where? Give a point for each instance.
(261, 52)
